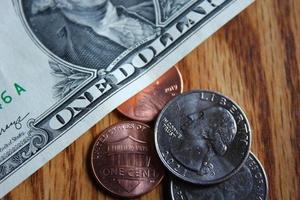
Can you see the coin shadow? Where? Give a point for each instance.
(166, 189)
(120, 116)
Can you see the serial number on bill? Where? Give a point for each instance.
(7, 96)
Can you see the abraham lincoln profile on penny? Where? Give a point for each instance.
(207, 134)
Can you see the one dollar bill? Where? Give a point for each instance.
(65, 64)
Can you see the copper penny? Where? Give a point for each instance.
(149, 102)
(124, 160)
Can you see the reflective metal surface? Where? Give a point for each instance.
(145, 105)
(124, 160)
(249, 183)
(202, 137)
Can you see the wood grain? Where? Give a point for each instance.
(254, 60)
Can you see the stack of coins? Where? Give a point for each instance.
(201, 138)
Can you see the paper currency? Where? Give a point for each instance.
(65, 64)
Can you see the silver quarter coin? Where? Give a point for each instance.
(202, 137)
(249, 183)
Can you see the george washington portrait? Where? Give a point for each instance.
(93, 33)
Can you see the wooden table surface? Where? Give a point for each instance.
(254, 60)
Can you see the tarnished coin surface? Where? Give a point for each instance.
(202, 137)
(249, 183)
(124, 160)
(146, 105)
